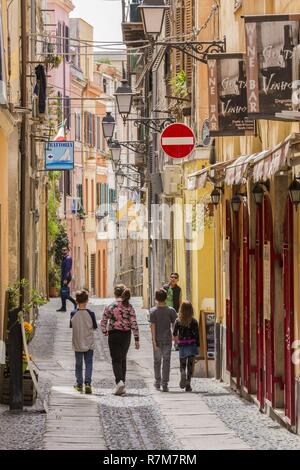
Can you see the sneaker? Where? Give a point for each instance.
(78, 388)
(188, 388)
(123, 393)
(88, 389)
(157, 386)
(182, 383)
(165, 388)
(120, 387)
(61, 310)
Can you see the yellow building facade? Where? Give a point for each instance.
(257, 235)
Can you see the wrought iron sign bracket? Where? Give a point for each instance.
(155, 124)
(135, 146)
(198, 50)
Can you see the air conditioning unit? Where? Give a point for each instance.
(172, 180)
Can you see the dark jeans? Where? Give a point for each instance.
(88, 360)
(119, 343)
(65, 297)
(162, 363)
(186, 367)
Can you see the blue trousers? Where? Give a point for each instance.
(88, 360)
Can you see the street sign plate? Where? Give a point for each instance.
(59, 156)
(178, 140)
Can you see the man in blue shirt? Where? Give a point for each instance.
(66, 278)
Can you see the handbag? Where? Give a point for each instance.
(65, 292)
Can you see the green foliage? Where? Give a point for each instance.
(179, 90)
(57, 235)
(33, 298)
(104, 60)
(179, 85)
(60, 241)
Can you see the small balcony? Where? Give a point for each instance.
(132, 25)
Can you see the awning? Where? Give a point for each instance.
(213, 173)
(259, 166)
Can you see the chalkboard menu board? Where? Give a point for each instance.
(208, 336)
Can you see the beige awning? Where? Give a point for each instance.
(198, 179)
(260, 166)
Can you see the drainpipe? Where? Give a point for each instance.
(15, 335)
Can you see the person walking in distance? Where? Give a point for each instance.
(66, 278)
(162, 319)
(174, 292)
(118, 321)
(83, 323)
(186, 334)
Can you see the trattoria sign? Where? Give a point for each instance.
(227, 85)
(273, 63)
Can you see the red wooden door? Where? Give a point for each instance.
(246, 301)
(288, 284)
(236, 370)
(228, 289)
(269, 301)
(259, 305)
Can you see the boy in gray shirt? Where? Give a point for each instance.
(162, 319)
(83, 323)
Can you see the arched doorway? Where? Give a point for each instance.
(288, 287)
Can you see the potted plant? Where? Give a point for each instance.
(54, 281)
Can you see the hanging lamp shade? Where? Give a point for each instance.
(108, 126)
(124, 97)
(153, 15)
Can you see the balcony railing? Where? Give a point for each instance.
(132, 24)
(131, 12)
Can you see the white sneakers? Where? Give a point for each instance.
(120, 389)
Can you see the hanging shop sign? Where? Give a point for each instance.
(227, 85)
(59, 156)
(178, 140)
(273, 64)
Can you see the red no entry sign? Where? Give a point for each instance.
(178, 140)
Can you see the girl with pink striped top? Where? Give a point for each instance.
(118, 321)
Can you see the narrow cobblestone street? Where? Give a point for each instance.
(212, 417)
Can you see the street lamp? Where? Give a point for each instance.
(108, 126)
(115, 149)
(153, 15)
(120, 178)
(215, 197)
(124, 96)
(294, 190)
(236, 203)
(258, 194)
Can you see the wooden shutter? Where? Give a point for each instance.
(179, 33)
(86, 127)
(93, 272)
(168, 21)
(188, 29)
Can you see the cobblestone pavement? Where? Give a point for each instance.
(212, 417)
(258, 430)
(24, 430)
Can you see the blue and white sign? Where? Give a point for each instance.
(59, 156)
